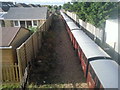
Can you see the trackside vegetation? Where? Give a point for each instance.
(95, 13)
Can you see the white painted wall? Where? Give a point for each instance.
(111, 30)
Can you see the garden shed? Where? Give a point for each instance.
(12, 37)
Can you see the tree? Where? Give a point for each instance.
(95, 13)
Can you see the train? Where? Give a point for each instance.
(100, 70)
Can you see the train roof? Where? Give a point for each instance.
(69, 22)
(88, 46)
(72, 25)
(65, 16)
(81, 37)
(93, 51)
(107, 71)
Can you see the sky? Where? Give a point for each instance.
(42, 2)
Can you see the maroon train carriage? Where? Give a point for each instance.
(65, 17)
(62, 15)
(96, 63)
(103, 74)
(80, 36)
(72, 26)
(89, 52)
(66, 20)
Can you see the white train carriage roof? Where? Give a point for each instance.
(81, 37)
(66, 18)
(72, 25)
(107, 71)
(88, 46)
(64, 15)
(93, 51)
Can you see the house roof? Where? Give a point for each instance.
(28, 13)
(6, 5)
(1, 9)
(21, 5)
(2, 14)
(33, 5)
(8, 35)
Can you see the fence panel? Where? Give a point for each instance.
(39, 39)
(35, 43)
(29, 49)
(22, 58)
(10, 73)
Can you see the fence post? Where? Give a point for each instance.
(33, 47)
(19, 65)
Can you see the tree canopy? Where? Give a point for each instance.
(95, 13)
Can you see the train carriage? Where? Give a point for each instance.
(72, 26)
(87, 49)
(89, 52)
(95, 62)
(103, 74)
(79, 37)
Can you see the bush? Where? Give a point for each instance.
(9, 86)
(32, 29)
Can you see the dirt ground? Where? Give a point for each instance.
(67, 72)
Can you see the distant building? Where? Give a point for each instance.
(12, 37)
(25, 17)
(5, 6)
(33, 5)
(21, 5)
(38, 5)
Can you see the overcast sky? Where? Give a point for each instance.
(40, 1)
(50, 2)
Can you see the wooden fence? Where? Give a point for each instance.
(25, 54)
(10, 73)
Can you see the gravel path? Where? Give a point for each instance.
(68, 71)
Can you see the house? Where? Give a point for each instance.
(12, 37)
(21, 5)
(5, 6)
(25, 17)
(38, 5)
(33, 5)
